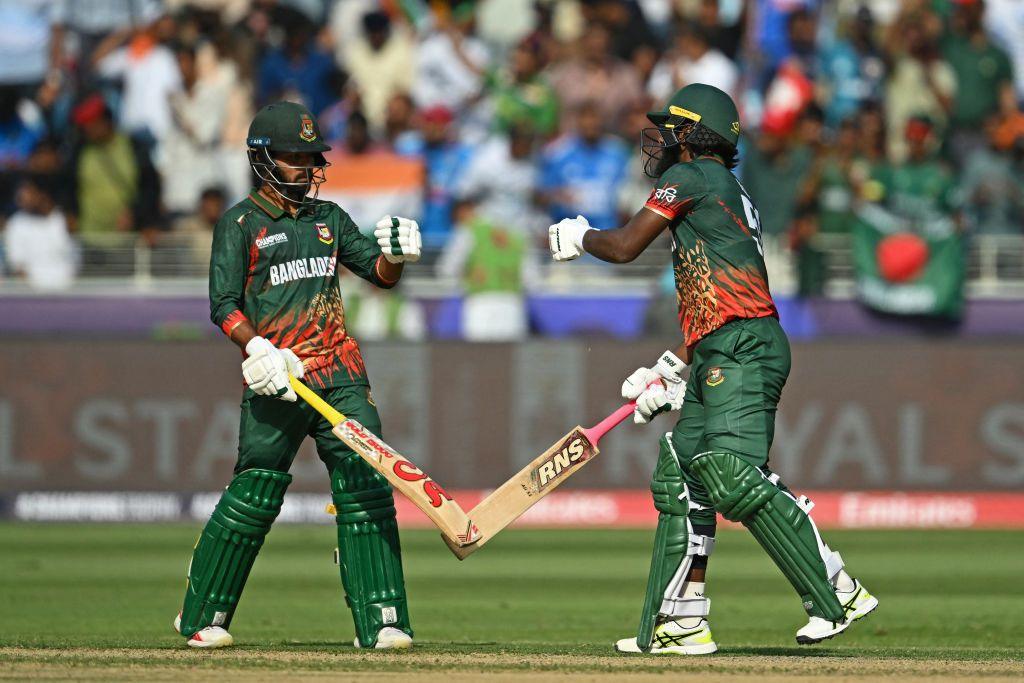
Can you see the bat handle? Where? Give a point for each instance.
(595, 433)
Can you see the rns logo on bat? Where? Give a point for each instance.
(573, 450)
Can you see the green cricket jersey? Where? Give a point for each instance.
(716, 247)
(280, 273)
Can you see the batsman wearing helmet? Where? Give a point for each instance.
(274, 293)
(716, 457)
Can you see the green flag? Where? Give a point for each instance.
(892, 280)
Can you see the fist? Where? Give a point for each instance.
(399, 239)
(565, 238)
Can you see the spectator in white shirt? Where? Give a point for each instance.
(381, 64)
(450, 62)
(692, 60)
(36, 242)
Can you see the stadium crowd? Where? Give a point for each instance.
(488, 120)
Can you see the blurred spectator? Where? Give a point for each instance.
(692, 60)
(445, 160)
(773, 171)
(379, 62)
(489, 260)
(522, 94)
(920, 82)
(920, 189)
(79, 27)
(502, 181)
(400, 124)
(369, 180)
(36, 241)
(1005, 23)
(375, 314)
(450, 61)
(722, 23)
(299, 69)
(139, 56)
(595, 70)
(194, 156)
(983, 74)
(630, 33)
(19, 136)
(115, 188)
(852, 68)
(992, 184)
(196, 229)
(26, 54)
(581, 171)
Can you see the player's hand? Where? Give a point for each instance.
(566, 238)
(267, 367)
(399, 239)
(656, 389)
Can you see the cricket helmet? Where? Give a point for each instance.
(699, 115)
(287, 127)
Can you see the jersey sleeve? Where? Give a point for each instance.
(359, 253)
(675, 192)
(229, 262)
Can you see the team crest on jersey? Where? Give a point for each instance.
(666, 194)
(323, 233)
(307, 132)
(715, 377)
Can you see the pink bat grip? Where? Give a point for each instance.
(595, 433)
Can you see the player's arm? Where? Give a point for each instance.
(571, 237)
(266, 367)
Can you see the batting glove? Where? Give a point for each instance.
(566, 238)
(267, 368)
(399, 239)
(656, 390)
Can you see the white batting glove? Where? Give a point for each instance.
(267, 368)
(656, 389)
(566, 238)
(399, 239)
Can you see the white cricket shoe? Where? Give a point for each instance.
(390, 638)
(857, 604)
(209, 637)
(675, 639)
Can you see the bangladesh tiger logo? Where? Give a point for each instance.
(307, 132)
(715, 377)
(323, 233)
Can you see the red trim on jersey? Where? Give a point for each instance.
(233, 320)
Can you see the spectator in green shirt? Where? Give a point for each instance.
(522, 94)
(984, 77)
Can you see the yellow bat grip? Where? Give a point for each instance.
(321, 406)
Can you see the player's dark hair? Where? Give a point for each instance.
(702, 141)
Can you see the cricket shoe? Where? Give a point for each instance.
(857, 604)
(672, 638)
(390, 638)
(209, 637)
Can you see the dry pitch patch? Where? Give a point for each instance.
(19, 663)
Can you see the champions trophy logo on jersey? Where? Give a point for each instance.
(323, 233)
(307, 132)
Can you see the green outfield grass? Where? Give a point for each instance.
(74, 597)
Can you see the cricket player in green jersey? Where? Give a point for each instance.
(274, 293)
(716, 457)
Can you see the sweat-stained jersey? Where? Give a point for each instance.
(281, 274)
(716, 247)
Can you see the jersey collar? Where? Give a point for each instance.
(272, 210)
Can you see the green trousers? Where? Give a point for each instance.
(736, 379)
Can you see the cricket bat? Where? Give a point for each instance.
(456, 527)
(542, 476)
